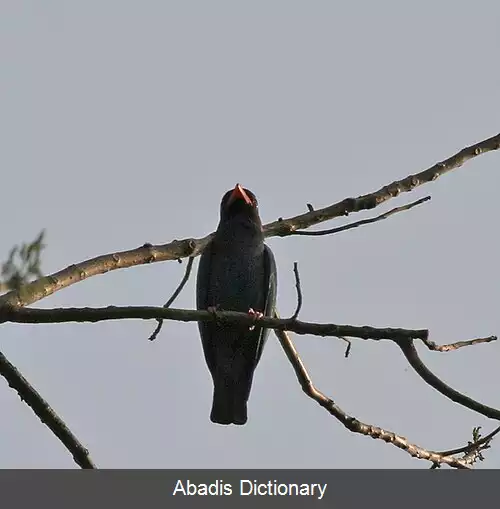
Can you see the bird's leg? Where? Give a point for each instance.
(257, 315)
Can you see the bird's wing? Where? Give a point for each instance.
(271, 285)
(202, 302)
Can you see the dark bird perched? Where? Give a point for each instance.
(237, 272)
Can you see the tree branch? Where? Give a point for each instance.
(63, 315)
(472, 446)
(43, 410)
(369, 201)
(298, 288)
(176, 249)
(174, 296)
(402, 337)
(351, 423)
(455, 346)
(363, 222)
(410, 352)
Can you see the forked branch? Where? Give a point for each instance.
(353, 424)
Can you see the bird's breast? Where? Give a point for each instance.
(237, 277)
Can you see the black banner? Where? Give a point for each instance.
(153, 489)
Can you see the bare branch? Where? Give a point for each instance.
(177, 292)
(299, 291)
(62, 315)
(22, 265)
(363, 222)
(455, 346)
(351, 423)
(402, 337)
(473, 446)
(145, 254)
(43, 287)
(372, 200)
(348, 347)
(410, 352)
(47, 415)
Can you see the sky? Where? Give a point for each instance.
(125, 122)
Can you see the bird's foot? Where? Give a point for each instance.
(257, 316)
(213, 310)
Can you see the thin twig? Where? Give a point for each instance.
(473, 451)
(348, 348)
(362, 222)
(44, 411)
(299, 291)
(472, 446)
(177, 292)
(455, 346)
(352, 423)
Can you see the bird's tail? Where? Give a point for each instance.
(226, 409)
(230, 399)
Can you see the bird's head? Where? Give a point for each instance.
(241, 204)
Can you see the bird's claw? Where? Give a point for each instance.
(213, 310)
(257, 316)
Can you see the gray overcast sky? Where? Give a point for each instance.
(124, 122)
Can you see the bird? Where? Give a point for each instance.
(236, 272)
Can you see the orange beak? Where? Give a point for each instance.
(239, 193)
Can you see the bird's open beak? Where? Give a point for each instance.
(239, 194)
